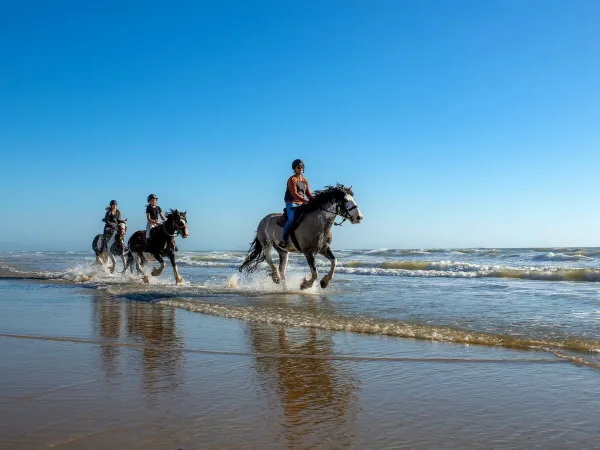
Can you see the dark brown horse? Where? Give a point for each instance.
(160, 244)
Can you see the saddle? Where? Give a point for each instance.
(298, 216)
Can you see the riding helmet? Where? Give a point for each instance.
(151, 196)
(297, 162)
(113, 202)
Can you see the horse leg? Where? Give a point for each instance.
(114, 262)
(123, 261)
(129, 263)
(138, 265)
(327, 253)
(283, 260)
(307, 283)
(178, 278)
(156, 272)
(98, 260)
(274, 272)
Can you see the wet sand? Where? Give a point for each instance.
(84, 370)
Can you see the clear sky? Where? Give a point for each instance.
(458, 123)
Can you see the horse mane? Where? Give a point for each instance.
(324, 196)
(173, 213)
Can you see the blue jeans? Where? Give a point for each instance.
(290, 208)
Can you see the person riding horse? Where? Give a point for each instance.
(297, 193)
(153, 212)
(111, 223)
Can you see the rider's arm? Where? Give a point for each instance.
(293, 188)
(150, 219)
(162, 216)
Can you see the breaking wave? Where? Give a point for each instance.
(466, 270)
(292, 317)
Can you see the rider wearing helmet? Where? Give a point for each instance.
(153, 212)
(297, 193)
(111, 222)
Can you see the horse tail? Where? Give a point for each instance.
(255, 255)
(94, 242)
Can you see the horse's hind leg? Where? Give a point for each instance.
(283, 259)
(158, 271)
(327, 253)
(307, 283)
(138, 261)
(275, 275)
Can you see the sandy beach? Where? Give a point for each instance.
(84, 370)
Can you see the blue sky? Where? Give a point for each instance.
(458, 124)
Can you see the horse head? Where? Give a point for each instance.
(343, 197)
(122, 229)
(178, 222)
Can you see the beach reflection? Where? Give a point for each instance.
(107, 317)
(153, 328)
(317, 395)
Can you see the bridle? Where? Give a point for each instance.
(176, 227)
(339, 211)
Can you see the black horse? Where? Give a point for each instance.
(114, 246)
(161, 243)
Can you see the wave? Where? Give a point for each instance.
(465, 270)
(216, 259)
(301, 318)
(551, 256)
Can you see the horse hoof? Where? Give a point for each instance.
(179, 280)
(146, 279)
(324, 284)
(155, 273)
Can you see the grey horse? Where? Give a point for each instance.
(311, 235)
(114, 246)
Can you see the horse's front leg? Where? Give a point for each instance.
(156, 272)
(275, 275)
(113, 261)
(327, 253)
(307, 283)
(98, 259)
(123, 261)
(178, 278)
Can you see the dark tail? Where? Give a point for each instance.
(254, 257)
(96, 239)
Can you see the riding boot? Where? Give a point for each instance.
(283, 243)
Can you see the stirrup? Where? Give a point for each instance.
(283, 243)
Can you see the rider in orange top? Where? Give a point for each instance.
(297, 193)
